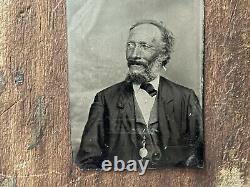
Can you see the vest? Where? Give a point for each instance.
(149, 133)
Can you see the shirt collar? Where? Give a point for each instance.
(154, 82)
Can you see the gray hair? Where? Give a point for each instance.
(167, 36)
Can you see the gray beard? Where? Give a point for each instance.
(139, 78)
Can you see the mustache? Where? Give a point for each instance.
(137, 62)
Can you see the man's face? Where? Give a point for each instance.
(143, 49)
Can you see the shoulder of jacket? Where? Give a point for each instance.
(111, 89)
(175, 86)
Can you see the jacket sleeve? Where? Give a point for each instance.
(195, 124)
(90, 152)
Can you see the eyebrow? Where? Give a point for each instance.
(143, 43)
(132, 41)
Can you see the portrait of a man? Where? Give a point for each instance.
(145, 116)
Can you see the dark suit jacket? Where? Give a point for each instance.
(110, 130)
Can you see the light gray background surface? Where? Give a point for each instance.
(97, 34)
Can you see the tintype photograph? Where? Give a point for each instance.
(136, 83)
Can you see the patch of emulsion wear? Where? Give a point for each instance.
(2, 83)
(39, 122)
(3, 43)
(232, 176)
(3, 17)
(8, 182)
(19, 78)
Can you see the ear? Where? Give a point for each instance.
(163, 59)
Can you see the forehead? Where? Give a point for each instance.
(145, 33)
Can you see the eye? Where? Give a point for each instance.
(145, 46)
(130, 45)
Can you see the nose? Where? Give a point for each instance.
(135, 52)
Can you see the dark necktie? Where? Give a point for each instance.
(149, 89)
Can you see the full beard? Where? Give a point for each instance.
(149, 74)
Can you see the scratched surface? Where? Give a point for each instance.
(97, 34)
(35, 134)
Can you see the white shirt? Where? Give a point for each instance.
(144, 100)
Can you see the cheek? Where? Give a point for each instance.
(128, 53)
(150, 56)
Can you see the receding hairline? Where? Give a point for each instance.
(147, 29)
(157, 24)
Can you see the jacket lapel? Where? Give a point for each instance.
(126, 109)
(165, 109)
